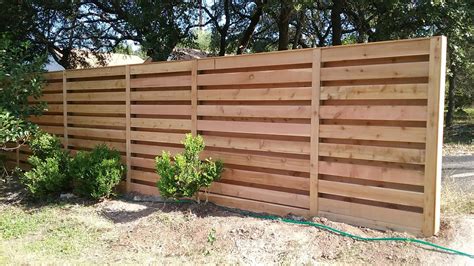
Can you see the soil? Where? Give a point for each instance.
(144, 232)
(207, 233)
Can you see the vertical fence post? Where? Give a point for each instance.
(128, 141)
(194, 100)
(434, 136)
(65, 137)
(314, 153)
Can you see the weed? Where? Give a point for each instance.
(211, 237)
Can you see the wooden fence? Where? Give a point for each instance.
(351, 132)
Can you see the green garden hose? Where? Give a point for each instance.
(360, 238)
(336, 231)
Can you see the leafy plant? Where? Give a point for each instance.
(97, 172)
(211, 237)
(20, 79)
(49, 174)
(186, 174)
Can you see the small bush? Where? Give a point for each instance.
(187, 173)
(49, 174)
(97, 172)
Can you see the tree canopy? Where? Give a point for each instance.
(69, 31)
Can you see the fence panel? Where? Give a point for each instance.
(160, 108)
(352, 133)
(254, 112)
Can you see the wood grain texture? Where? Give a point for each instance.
(128, 129)
(315, 131)
(375, 92)
(265, 94)
(256, 77)
(434, 135)
(350, 132)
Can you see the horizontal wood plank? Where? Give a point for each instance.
(255, 206)
(181, 124)
(83, 143)
(50, 97)
(265, 94)
(53, 75)
(56, 108)
(53, 86)
(144, 189)
(153, 149)
(160, 109)
(161, 82)
(395, 196)
(157, 137)
(182, 95)
(270, 111)
(145, 176)
(272, 162)
(281, 129)
(256, 77)
(296, 147)
(96, 85)
(272, 196)
(57, 130)
(261, 178)
(96, 108)
(50, 119)
(376, 50)
(373, 153)
(96, 121)
(375, 92)
(382, 71)
(143, 162)
(96, 133)
(397, 218)
(96, 72)
(97, 96)
(378, 133)
(368, 112)
(300, 56)
(161, 67)
(374, 173)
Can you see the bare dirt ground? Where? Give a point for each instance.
(121, 231)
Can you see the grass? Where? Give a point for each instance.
(15, 222)
(460, 137)
(462, 130)
(47, 234)
(455, 201)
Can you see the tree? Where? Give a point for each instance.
(254, 19)
(220, 12)
(20, 80)
(455, 20)
(70, 32)
(158, 26)
(336, 12)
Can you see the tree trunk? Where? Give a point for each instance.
(223, 32)
(451, 92)
(336, 22)
(300, 21)
(254, 19)
(284, 24)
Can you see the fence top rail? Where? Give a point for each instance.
(54, 74)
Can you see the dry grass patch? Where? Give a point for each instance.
(454, 200)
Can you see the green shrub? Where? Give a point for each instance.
(49, 174)
(187, 173)
(97, 172)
